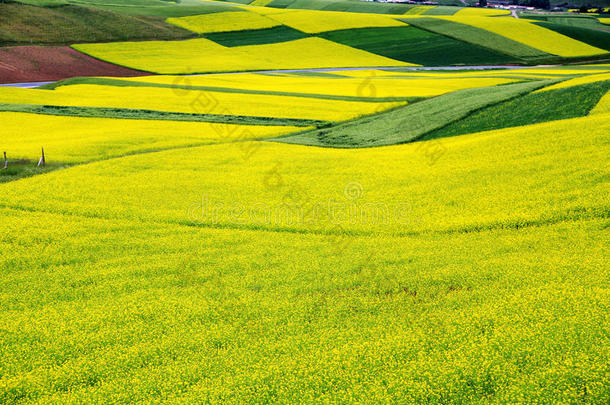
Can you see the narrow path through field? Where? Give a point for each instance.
(337, 69)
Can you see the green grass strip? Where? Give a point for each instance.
(179, 8)
(533, 108)
(128, 83)
(273, 35)
(411, 122)
(442, 10)
(126, 113)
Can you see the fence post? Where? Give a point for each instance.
(5, 161)
(42, 160)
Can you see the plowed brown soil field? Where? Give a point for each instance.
(20, 64)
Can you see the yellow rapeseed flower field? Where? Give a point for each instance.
(260, 3)
(530, 34)
(314, 21)
(481, 12)
(194, 102)
(202, 55)
(78, 139)
(541, 72)
(578, 80)
(603, 106)
(220, 22)
(399, 188)
(109, 310)
(418, 10)
(371, 83)
(243, 238)
(259, 272)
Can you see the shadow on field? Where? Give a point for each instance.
(19, 169)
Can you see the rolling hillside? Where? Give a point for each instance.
(120, 278)
(302, 201)
(24, 24)
(179, 38)
(470, 37)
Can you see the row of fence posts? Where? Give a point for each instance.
(41, 163)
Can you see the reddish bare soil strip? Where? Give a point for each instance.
(20, 64)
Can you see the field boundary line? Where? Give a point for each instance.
(577, 214)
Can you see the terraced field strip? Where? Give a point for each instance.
(222, 22)
(312, 21)
(83, 136)
(603, 106)
(409, 123)
(237, 89)
(280, 33)
(415, 45)
(418, 10)
(573, 21)
(202, 103)
(592, 78)
(531, 35)
(462, 31)
(593, 37)
(442, 10)
(596, 35)
(556, 104)
(141, 114)
(521, 73)
(365, 85)
(340, 5)
(481, 12)
(195, 56)
(162, 8)
(260, 3)
(68, 24)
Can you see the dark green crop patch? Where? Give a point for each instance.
(415, 45)
(411, 122)
(533, 108)
(280, 33)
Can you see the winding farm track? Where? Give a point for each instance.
(30, 85)
(414, 68)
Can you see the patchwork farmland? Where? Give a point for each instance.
(303, 201)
